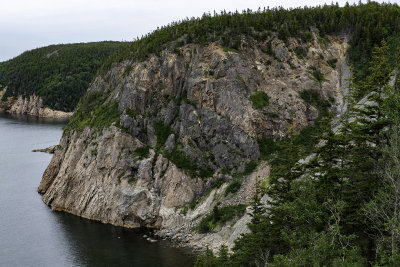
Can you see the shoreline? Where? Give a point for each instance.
(32, 106)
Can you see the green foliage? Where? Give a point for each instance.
(306, 37)
(313, 98)
(240, 79)
(205, 172)
(162, 131)
(380, 71)
(317, 74)
(219, 216)
(94, 111)
(179, 158)
(267, 147)
(233, 187)
(128, 70)
(218, 183)
(332, 62)
(60, 74)
(259, 99)
(229, 49)
(105, 115)
(323, 40)
(211, 260)
(132, 113)
(94, 152)
(250, 167)
(142, 152)
(368, 23)
(301, 52)
(340, 208)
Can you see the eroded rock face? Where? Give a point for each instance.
(96, 176)
(31, 106)
(203, 96)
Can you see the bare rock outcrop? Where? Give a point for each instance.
(34, 106)
(202, 98)
(99, 178)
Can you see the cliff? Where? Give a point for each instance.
(32, 105)
(187, 129)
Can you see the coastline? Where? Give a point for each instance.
(32, 106)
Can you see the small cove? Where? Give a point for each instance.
(31, 234)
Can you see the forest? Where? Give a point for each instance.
(367, 24)
(340, 207)
(60, 74)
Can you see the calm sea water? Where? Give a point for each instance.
(31, 234)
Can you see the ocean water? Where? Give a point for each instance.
(31, 234)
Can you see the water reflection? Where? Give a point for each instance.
(33, 119)
(97, 244)
(31, 234)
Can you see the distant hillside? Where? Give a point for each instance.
(59, 74)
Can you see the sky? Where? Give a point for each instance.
(29, 24)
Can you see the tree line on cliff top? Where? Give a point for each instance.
(62, 78)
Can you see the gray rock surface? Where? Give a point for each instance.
(31, 106)
(202, 97)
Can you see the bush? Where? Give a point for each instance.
(218, 183)
(259, 99)
(142, 152)
(233, 187)
(179, 158)
(219, 216)
(162, 132)
(267, 147)
(312, 97)
(306, 37)
(131, 113)
(318, 75)
(332, 62)
(250, 167)
(301, 52)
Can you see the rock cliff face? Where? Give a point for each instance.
(31, 106)
(194, 107)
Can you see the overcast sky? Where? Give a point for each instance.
(28, 24)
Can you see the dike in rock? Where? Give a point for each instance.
(203, 96)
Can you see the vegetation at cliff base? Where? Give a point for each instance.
(219, 216)
(340, 206)
(59, 74)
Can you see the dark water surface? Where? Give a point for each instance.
(31, 234)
